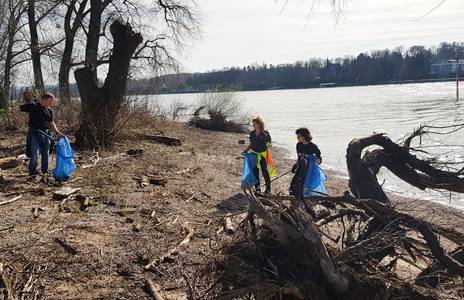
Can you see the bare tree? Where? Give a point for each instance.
(38, 11)
(74, 16)
(35, 51)
(12, 25)
(100, 105)
(3, 39)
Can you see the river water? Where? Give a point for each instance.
(337, 115)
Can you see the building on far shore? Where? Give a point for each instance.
(446, 68)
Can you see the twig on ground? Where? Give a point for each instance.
(153, 289)
(11, 200)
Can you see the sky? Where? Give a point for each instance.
(242, 32)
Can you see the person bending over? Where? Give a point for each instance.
(304, 148)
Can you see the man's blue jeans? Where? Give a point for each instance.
(38, 143)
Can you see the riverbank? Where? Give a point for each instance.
(119, 231)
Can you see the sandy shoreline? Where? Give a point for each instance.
(128, 225)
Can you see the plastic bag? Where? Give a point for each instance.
(65, 165)
(315, 179)
(270, 165)
(248, 177)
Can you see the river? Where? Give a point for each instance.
(337, 115)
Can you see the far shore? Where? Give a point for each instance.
(312, 86)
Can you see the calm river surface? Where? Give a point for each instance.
(337, 115)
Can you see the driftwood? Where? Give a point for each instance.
(228, 227)
(169, 141)
(146, 180)
(9, 162)
(5, 287)
(66, 246)
(135, 152)
(11, 200)
(83, 200)
(158, 180)
(300, 227)
(64, 193)
(137, 227)
(437, 271)
(169, 255)
(153, 289)
(35, 212)
(388, 214)
(300, 237)
(398, 159)
(190, 231)
(349, 246)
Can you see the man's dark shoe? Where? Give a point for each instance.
(267, 193)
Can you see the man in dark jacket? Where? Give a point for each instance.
(40, 122)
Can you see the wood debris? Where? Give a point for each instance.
(169, 141)
(9, 162)
(66, 246)
(153, 289)
(11, 200)
(64, 193)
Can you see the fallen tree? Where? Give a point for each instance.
(358, 247)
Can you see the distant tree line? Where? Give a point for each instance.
(376, 67)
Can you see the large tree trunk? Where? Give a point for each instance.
(399, 161)
(100, 105)
(35, 48)
(363, 181)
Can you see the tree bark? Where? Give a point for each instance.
(4, 100)
(100, 105)
(35, 47)
(363, 182)
(15, 11)
(299, 231)
(65, 69)
(93, 35)
(66, 59)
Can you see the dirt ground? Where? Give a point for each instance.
(126, 226)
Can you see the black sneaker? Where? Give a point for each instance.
(267, 193)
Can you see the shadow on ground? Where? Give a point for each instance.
(234, 204)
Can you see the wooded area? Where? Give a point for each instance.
(376, 67)
(88, 36)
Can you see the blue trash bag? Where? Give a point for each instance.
(315, 179)
(65, 165)
(249, 164)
